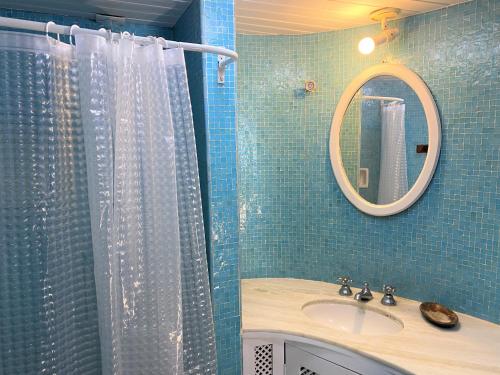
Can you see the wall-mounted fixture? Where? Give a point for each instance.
(310, 86)
(368, 44)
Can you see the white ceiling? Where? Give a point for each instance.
(270, 17)
(159, 12)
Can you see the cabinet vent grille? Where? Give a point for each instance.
(306, 371)
(264, 359)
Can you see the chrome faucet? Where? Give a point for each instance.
(365, 294)
(345, 289)
(388, 298)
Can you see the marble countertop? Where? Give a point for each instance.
(275, 305)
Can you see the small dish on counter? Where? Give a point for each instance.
(438, 314)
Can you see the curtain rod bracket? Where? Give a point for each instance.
(221, 69)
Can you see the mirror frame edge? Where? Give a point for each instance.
(434, 136)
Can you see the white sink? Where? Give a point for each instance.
(353, 318)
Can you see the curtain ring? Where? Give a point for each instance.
(71, 33)
(109, 35)
(47, 25)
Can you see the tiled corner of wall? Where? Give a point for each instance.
(295, 221)
(220, 106)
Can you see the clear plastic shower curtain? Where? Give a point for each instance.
(48, 308)
(393, 183)
(150, 263)
(198, 327)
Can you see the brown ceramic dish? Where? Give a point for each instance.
(438, 314)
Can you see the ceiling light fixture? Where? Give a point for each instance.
(368, 44)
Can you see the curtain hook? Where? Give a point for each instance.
(110, 35)
(71, 33)
(47, 25)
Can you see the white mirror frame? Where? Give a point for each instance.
(434, 136)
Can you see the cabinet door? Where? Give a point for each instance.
(299, 362)
(263, 357)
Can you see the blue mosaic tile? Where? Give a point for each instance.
(220, 122)
(295, 221)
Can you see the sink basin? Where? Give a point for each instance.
(353, 318)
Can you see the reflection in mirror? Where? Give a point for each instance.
(381, 129)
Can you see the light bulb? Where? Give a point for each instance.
(366, 45)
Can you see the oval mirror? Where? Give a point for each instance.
(385, 139)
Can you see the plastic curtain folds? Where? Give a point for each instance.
(393, 183)
(154, 303)
(48, 309)
(198, 327)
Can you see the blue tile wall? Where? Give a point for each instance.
(294, 220)
(369, 146)
(215, 126)
(351, 138)
(217, 20)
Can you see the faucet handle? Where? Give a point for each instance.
(345, 289)
(344, 280)
(388, 289)
(388, 298)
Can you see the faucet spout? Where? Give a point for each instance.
(365, 294)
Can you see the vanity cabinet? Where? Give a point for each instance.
(301, 362)
(277, 354)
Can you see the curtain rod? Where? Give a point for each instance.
(383, 98)
(225, 56)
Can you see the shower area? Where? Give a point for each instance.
(103, 259)
(374, 147)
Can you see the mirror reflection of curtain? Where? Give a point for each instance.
(393, 183)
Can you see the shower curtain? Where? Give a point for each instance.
(48, 320)
(102, 165)
(393, 182)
